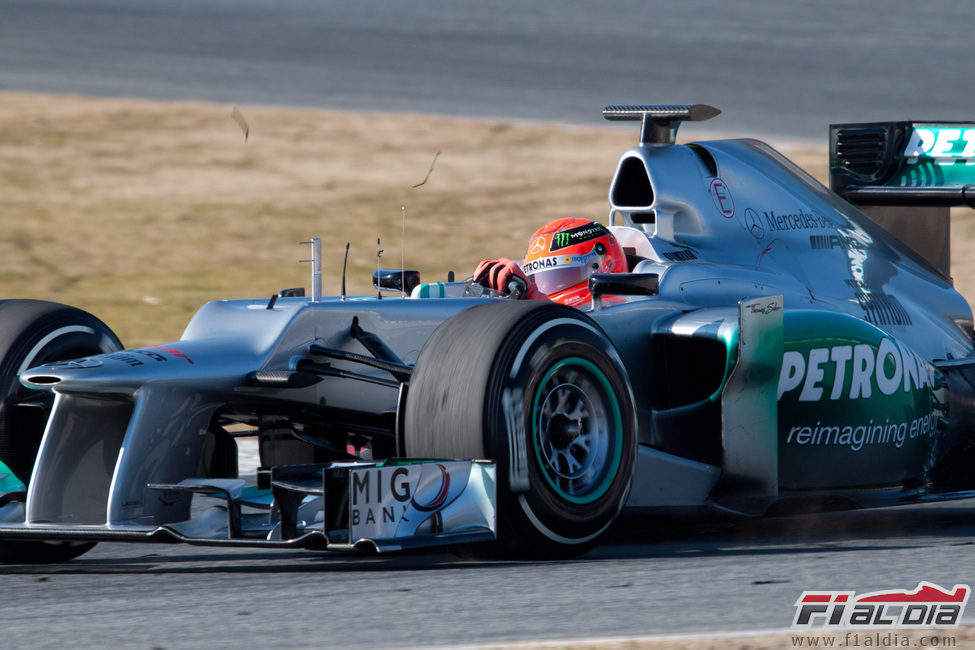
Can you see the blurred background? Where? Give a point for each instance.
(129, 190)
(775, 68)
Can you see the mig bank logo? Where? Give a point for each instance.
(926, 607)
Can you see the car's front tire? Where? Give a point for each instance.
(34, 332)
(538, 388)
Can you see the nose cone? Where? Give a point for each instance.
(121, 371)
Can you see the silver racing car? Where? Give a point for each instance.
(769, 346)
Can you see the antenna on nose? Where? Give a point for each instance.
(316, 268)
(345, 263)
(402, 263)
(379, 255)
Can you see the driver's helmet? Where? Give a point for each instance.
(564, 253)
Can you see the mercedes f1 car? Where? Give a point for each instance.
(771, 346)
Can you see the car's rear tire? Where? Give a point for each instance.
(538, 388)
(34, 332)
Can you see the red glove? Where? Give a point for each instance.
(505, 276)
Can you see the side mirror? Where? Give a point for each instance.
(395, 280)
(623, 284)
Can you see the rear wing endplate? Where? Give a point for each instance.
(906, 176)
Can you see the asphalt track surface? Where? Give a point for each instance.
(775, 68)
(655, 576)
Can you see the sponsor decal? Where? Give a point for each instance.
(437, 499)
(881, 309)
(946, 145)
(864, 435)
(853, 371)
(155, 356)
(721, 196)
(536, 265)
(753, 224)
(765, 251)
(857, 242)
(532, 266)
(856, 406)
(380, 495)
(173, 351)
(893, 378)
(828, 242)
(928, 606)
(799, 220)
(577, 235)
(537, 246)
(764, 308)
(391, 501)
(126, 358)
(679, 256)
(71, 365)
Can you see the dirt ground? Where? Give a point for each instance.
(142, 211)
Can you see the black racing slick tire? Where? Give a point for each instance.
(538, 388)
(34, 332)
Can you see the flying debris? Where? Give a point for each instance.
(429, 171)
(242, 123)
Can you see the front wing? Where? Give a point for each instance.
(379, 506)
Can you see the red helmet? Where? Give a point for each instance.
(564, 253)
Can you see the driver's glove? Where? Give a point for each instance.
(506, 276)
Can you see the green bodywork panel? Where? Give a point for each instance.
(936, 155)
(9, 482)
(856, 406)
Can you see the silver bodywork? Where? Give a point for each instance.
(788, 235)
(126, 434)
(737, 236)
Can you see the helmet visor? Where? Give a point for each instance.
(557, 273)
(555, 280)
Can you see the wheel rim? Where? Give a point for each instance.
(577, 430)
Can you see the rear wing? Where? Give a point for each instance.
(903, 163)
(906, 176)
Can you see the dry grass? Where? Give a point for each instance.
(140, 211)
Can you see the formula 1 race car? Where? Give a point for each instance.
(770, 347)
